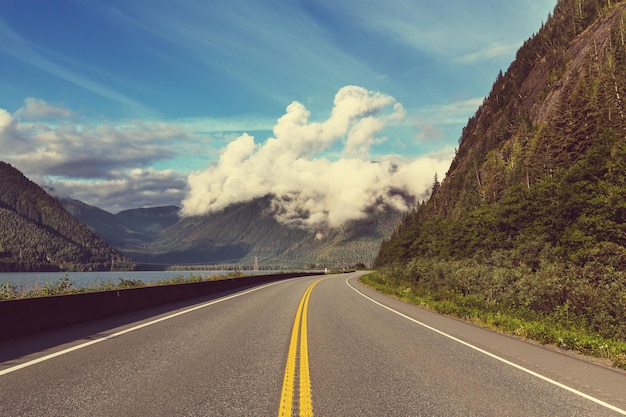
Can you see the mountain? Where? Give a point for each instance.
(541, 167)
(150, 221)
(38, 234)
(530, 220)
(238, 234)
(135, 226)
(246, 230)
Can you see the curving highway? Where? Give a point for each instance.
(314, 346)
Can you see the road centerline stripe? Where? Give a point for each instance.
(299, 331)
(494, 356)
(306, 406)
(286, 402)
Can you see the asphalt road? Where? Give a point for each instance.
(304, 346)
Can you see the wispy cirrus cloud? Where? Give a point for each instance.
(448, 29)
(493, 51)
(239, 123)
(449, 113)
(244, 43)
(16, 46)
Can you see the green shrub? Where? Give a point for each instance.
(570, 306)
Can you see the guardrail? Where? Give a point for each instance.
(31, 315)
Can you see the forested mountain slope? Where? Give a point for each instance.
(37, 234)
(541, 165)
(530, 220)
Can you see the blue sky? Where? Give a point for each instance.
(117, 103)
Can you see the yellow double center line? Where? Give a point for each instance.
(286, 401)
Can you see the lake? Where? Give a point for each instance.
(26, 281)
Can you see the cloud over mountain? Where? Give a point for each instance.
(320, 173)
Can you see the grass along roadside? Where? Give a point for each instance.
(64, 285)
(542, 329)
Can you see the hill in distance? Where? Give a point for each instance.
(128, 227)
(38, 234)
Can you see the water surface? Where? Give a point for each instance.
(26, 281)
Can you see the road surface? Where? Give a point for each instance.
(322, 346)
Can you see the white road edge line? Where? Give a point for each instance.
(131, 329)
(514, 365)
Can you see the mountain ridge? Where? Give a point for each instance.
(239, 233)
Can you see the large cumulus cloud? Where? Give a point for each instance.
(320, 173)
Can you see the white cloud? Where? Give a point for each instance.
(10, 139)
(493, 51)
(35, 108)
(450, 113)
(362, 136)
(5, 120)
(138, 188)
(310, 189)
(105, 164)
(240, 123)
(88, 151)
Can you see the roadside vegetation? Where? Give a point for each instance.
(64, 285)
(555, 306)
(546, 262)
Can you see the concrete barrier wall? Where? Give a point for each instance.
(30, 315)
